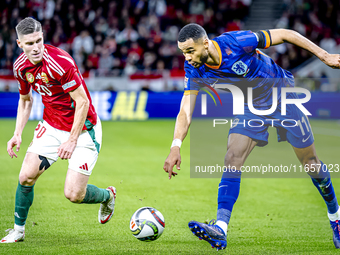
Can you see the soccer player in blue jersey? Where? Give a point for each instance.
(234, 57)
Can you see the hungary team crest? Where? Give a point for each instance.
(30, 77)
(44, 78)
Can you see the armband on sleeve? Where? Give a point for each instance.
(264, 39)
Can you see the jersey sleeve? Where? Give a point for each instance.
(264, 38)
(70, 79)
(192, 80)
(247, 40)
(24, 86)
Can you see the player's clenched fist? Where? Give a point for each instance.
(15, 141)
(173, 159)
(332, 60)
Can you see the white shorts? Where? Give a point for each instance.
(47, 140)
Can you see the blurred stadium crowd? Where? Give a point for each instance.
(318, 20)
(114, 38)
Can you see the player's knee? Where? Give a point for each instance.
(231, 159)
(309, 160)
(229, 156)
(26, 180)
(309, 164)
(74, 197)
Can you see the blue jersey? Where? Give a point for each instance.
(243, 65)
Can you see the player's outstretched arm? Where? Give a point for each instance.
(279, 36)
(82, 104)
(181, 129)
(24, 111)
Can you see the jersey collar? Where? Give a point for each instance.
(219, 54)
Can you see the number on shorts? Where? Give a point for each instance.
(303, 120)
(41, 131)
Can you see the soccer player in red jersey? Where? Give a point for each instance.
(70, 128)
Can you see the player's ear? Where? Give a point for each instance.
(19, 44)
(206, 43)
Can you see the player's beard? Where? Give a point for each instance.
(204, 58)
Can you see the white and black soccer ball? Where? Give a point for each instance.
(147, 224)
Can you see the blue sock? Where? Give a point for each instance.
(228, 191)
(323, 183)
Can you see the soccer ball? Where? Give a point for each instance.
(147, 224)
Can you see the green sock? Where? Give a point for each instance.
(95, 195)
(23, 201)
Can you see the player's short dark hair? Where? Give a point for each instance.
(191, 30)
(28, 26)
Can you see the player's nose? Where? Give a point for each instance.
(188, 58)
(35, 47)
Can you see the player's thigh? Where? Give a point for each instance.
(239, 148)
(32, 167)
(251, 126)
(82, 162)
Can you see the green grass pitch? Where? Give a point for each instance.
(271, 216)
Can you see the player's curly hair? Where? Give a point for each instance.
(28, 26)
(191, 30)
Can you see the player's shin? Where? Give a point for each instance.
(95, 195)
(323, 183)
(23, 201)
(228, 192)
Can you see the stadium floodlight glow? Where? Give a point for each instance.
(238, 100)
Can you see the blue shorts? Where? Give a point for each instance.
(294, 127)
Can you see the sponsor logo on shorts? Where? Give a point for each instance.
(305, 140)
(30, 77)
(69, 84)
(84, 167)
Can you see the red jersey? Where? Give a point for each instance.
(55, 76)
